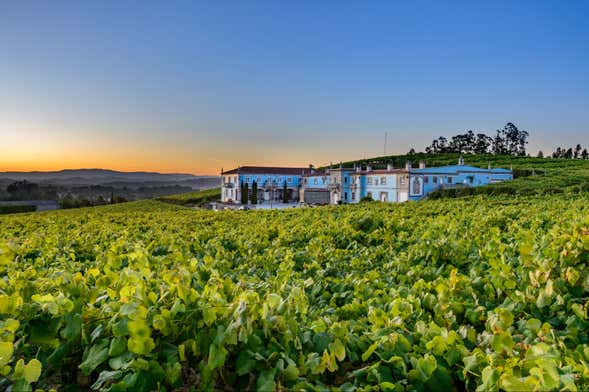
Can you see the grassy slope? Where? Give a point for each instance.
(197, 198)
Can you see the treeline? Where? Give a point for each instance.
(70, 201)
(571, 153)
(25, 190)
(507, 141)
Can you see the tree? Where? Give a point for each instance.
(411, 152)
(568, 154)
(507, 141)
(284, 193)
(23, 190)
(584, 154)
(438, 145)
(577, 152)
(482, 143)
(515, 140)
(245, 193)
(540, 154)
(499, 144)
(255, 192)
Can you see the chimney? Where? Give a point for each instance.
(389, 166)
(422, 164)
(461, 161)
(408, 165)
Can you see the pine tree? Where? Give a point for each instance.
(245, 193)
(284, 193)
(255, 193)
(577, 152)
(584, 154)
(540, 154)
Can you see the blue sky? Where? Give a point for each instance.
(196, 86)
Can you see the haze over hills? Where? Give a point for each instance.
(107, 177)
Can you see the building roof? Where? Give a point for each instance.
(381, 171)
(293, 171)
(455, 169)
(315, 174)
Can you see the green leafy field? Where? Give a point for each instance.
(471, 293)
(197, 198)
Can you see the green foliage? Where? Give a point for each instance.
(16, 209)
(197, 198)
(255, 192)
(284, 193)
(481, 293)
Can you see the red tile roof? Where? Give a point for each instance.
(297, 171)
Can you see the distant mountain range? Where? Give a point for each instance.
(75, 177)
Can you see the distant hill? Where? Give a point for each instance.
(77, 177)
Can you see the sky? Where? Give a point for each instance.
(194, 87)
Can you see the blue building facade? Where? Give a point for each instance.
(426, 180)
(270, 182)
(349, 185)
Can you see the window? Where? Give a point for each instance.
(435, 179)
(425, 179)
(402, 180)
(471, 179)
(346, 196)
(353, 195)
(346, 180)
(449, 179)
(369, 180)
(289, 180)
(383, 180)
(315, 181)
(247, 179)
(305, 181)
(259, 179)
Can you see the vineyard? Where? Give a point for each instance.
(479, 293)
